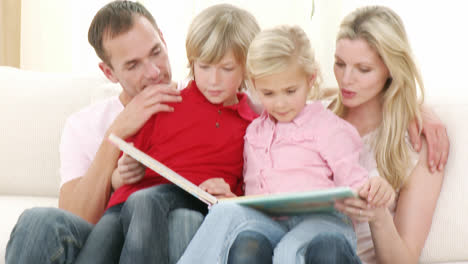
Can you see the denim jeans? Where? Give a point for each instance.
(104, 243)
(47, 235)
(51, 235)
(250, 247)
(289, 237)
(330, 248)
(145, 221)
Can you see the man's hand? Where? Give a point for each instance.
(438, 144)
(217, 187)
(145, 104)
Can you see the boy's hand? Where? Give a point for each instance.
(217, 187)
(377, 192)
(130, 170)
(438, 144)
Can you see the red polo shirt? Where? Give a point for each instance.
(199, 140)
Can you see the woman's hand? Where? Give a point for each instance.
(438, 144)
(359, 210)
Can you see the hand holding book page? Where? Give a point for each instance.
(274, 204)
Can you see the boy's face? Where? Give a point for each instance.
(219, 82)
(138, 58)
(284, 94)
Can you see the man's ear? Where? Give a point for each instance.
(108, 72)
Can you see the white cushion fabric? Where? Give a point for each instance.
(448, 238)
(32, 113)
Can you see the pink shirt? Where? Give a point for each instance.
(316, 150)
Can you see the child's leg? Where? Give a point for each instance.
(251, 247)
(221, 227)
(292, 247)
(145, 221)
(105, 241)
(330, 248)
(183, 224)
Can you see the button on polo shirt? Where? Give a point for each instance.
(199, 140)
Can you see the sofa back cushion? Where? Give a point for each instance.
(33, 110)
(448, 238)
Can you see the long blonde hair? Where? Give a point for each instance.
(383, 30)
(218, 29)
(274, 50)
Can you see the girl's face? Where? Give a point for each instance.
(284, 95)
(360, 72)
(219, 82)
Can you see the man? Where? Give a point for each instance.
(135, 57)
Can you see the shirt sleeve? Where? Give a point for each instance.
(74, 152)
(341, 148)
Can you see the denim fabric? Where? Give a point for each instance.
(105, 241)
(51, 235)
(289, 236)
(183, 224)
(47, 235)
(145, 221)
(330, 248)
(250, 247)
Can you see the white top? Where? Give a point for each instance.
(82, 136)
(365, 245)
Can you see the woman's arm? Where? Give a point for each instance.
(401, 239)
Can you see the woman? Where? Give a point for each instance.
(377, 77)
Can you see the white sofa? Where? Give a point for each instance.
(35, 105)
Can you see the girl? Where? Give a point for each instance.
(292, 146)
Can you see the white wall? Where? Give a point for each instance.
(57, 41)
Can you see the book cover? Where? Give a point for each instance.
(274, 204)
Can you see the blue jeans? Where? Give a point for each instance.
(330, 248)
(289, 237)
(51, 235)
(143, 220)
(47, 235)
(325, 248)
(250, 247)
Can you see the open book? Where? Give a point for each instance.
(274, 204)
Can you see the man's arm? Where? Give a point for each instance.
(88, 195)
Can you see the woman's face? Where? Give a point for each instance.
(360, 72)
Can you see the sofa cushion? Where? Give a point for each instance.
(32, 113)
(448, 238)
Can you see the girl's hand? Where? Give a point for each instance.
(359, 210)
(217, 187)
(377, 192)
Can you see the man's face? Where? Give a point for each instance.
(138, 58)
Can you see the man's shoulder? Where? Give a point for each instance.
(96, 110)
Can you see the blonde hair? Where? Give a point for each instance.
(274, 50)
(383, 30)
(218, 29)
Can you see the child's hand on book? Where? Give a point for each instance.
(217, 187)
(129, 170)
(377, 192)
